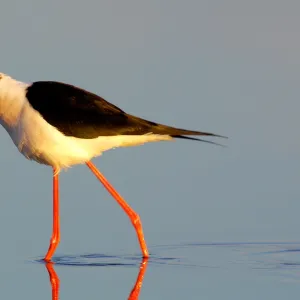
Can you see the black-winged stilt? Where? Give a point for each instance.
(61, 125)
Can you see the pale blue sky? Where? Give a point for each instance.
(230, 67)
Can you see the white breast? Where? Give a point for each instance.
(38, 140)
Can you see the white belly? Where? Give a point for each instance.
(38, 140)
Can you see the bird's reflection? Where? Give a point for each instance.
(54, 280)
(134, 295)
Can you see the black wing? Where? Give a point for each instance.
(79, 113)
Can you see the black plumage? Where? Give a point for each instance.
(82, 114)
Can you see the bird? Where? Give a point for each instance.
(61, 125)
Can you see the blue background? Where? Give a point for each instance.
(229, 67)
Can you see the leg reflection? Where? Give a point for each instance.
(54, 280)
(134, 295)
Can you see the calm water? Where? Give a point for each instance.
(195, 270)
(203, 243)
(220, 223)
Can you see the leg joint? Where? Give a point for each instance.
(55, 240)
(136, 220)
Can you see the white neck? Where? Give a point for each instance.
(12, 99)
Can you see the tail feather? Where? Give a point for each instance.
(197, 139)
(178, 132)
(156, 128)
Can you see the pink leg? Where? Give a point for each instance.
(55, 238)
(133, 216)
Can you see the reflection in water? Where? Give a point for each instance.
(134, 295)
(54, 280)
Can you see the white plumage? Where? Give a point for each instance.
(37, 140)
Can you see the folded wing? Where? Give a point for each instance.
(79, 113)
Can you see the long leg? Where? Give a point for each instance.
(55, 238)
(133, 216)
